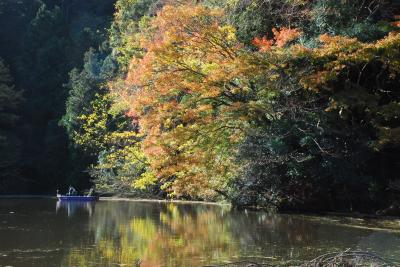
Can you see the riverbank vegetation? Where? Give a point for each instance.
(289, 105)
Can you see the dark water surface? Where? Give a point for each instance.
(44, 233)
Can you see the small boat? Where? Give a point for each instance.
(73, 196)
(77, 198)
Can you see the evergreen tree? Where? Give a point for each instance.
(9, 143)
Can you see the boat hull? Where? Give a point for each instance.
(77, 198)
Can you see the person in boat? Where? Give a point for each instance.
(91, 192)
(72, 191)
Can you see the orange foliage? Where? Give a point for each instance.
(285, 35)
(281, 38)
(135, 118)
(396, 22)
(184, 90)
(263, 43)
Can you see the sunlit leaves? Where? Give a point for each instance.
(187, 91)
(122, 165)
(93, 132)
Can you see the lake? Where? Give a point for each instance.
(44, 232)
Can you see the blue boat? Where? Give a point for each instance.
(77, 198)
(72, 195)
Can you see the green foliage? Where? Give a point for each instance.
(109, 136)
(10, 100)
(332, 144)
(123, 167)
(257, 17)
(45, 40)
(350, 18)
(84, 85)
(96, 126)
(130, 18)
(361, 19)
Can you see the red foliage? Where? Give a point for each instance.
(281, 38)
(263, 43)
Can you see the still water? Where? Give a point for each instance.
(122, 233)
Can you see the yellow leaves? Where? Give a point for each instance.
(93, 126)
(229, 32)
(336, 46)
(145, 180)
(132, 136)
(209, 67)
(298, 50)
(212, 92)
(126, 161)
(389, 49)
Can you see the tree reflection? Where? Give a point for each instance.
(161, 234)
(178, 236)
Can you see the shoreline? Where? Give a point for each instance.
(117, 198)
(177, 201)
(25, 196)
(354, 220)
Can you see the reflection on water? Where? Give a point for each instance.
(73, 206)
(158, 235)
(111, 233)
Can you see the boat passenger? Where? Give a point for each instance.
(72, 191)
(91, 192)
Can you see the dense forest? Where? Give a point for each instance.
(282, 104)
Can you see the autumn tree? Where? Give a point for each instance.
(192, 92)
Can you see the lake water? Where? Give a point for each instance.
(43, 232)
